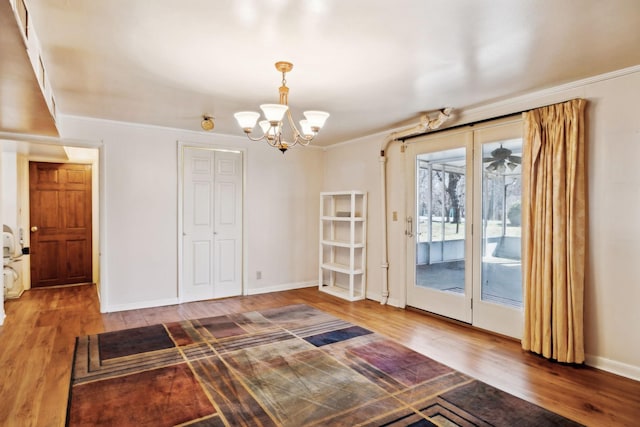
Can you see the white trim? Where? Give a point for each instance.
(49, 140)
(280, 288)
(539, 98)
(141, 305)
(511, 103)
(394, 302)
(361, 139)
(145, 126)
(615, 367)
(103, 286)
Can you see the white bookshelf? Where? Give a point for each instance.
(343, 244)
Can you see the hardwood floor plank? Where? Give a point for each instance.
(37, 341)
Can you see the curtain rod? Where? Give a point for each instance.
(490, 119)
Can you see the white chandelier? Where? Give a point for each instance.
(272, 125)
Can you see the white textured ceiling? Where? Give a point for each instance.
(372, 64)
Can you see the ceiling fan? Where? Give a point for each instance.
(500, 159)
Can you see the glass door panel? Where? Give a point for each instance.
(439, 241)
(501, 195)
(498, 273)
(441, 210)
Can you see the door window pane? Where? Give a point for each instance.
(440, 243)
(501, 229)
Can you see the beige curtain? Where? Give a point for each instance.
(553, 230)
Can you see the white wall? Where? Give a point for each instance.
(612, 293)
(283, 201)
(10, 190)
(355, 166)
(612, 288)
(13, 211)
(140, 211)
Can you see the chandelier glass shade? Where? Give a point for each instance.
(275, 116)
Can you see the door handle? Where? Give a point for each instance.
(34, 229)
(409, 231)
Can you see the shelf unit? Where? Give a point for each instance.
(343, 244)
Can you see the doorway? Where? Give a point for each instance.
(211, 223)
(464, 226)
(60, 212)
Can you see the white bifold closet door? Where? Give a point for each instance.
(211, 224)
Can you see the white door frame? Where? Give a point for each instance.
(181, 145)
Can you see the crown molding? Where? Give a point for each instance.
(513, 104)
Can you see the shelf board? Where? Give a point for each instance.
(342, 218)
(340, 268)
(341, 244)
(343, 193)
(341, 293)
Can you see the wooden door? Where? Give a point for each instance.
(60, 219)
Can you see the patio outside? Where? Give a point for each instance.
(440, 242)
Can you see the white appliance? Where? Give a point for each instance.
(12, 265)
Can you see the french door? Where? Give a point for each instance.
(463, 226)
(211, 264)
(439, 253)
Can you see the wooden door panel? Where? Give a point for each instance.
(77, 258)
(48, 269)
(47, 176)
(75, 210)
(76, 177)
(48, 218)
(60, 208)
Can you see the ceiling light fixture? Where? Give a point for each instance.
(272, 126)
(207, 122)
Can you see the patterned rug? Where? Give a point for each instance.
(289, 366)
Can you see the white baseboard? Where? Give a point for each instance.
(394, 302)
(172, 301)
(142, 304)
(280, 288)
(612, 366)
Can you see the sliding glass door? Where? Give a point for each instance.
(463, 230)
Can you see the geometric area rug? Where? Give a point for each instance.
(288, 366)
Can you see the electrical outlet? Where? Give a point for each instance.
(258, 275)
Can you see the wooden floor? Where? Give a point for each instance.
(37, 341)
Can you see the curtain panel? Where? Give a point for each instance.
(554, 230)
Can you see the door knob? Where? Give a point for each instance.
(34, 229)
